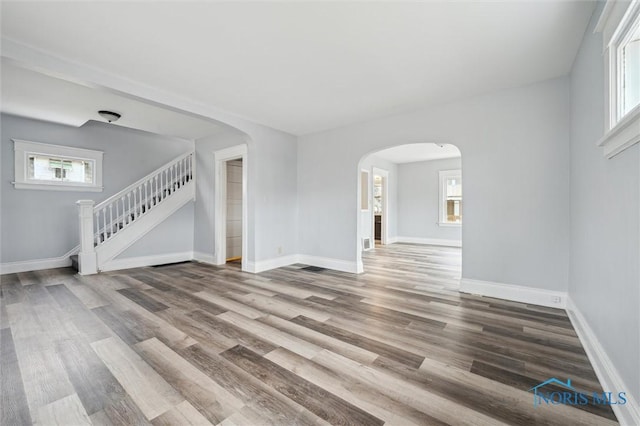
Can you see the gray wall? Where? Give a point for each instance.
(392, 197)
(44, 224)
(604, 277)
(513, 142)
(271, 192)
(418, 200)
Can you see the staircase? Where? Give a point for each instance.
(109, 228)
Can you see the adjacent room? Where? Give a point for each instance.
(362, 213)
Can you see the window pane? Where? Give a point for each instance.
(454, 211)
(60, 169)
(453, 199)
(454, 187)
(631, 73)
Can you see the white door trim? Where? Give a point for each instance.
(384, 232)
(220, 207)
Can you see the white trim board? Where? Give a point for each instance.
(321, 262)
(516, 293)
(220, 206)
(202, 257)
(39, 264)
(331, 263)
(142, 261)
(428, 241)
(610, 379)
(268, 264)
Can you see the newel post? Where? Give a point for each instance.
(87, 261)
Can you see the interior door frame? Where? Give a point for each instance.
(384, 232)
(220, 207)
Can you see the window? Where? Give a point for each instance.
(620, 26)
(450, 197)
(629, 65)
(55, 167)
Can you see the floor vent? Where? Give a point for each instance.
(170, 264)
(314, 269)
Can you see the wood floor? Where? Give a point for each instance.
(195, 344)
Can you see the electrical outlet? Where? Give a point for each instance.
(557, 299)
(279, 249)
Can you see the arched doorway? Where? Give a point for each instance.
(411, 205)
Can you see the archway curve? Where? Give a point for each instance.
(429, 152)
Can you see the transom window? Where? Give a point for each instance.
(45, 168)
(450, 197)
(55, 167)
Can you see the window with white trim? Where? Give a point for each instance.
(55, 167)
(620, 27)
(629, 60)
(450, 197)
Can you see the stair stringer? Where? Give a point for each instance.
(126, 237)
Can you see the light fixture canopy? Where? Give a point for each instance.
(110, 116)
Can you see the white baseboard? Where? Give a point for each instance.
(428, 241)
(516, 293)
(321, 262)
(330, 263)
(39, 264)
(610, 379)
(201, 257)
(276, 262)
(141, 261)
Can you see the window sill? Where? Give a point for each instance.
(623, 135)
(56, 187)
(455, 225)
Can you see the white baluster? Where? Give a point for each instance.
(129, 210)
(110, 220)
(97, 235)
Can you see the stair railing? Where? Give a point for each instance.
(100, 223)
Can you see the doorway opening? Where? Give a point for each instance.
(380, 212)
(234, 211)
(231, 206)
(411, 209)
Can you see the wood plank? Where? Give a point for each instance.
(146, 387)
(272, 335)
(182, 414)
(147, 302)
(316, 399)
(14, 409)
(365, 397)
(207, 396)
(64, 411)
(274, 407)
(93, 382)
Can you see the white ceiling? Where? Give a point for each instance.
(31, 94)
(412, 153)
(308, 66)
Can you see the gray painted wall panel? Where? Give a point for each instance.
(418, 200)
(604, 274)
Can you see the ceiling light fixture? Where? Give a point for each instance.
(110, 116)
